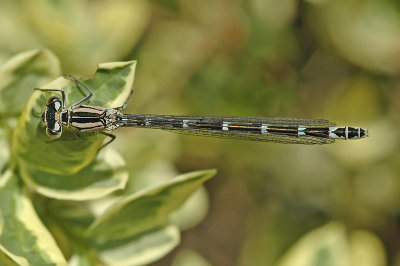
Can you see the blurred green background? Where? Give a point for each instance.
(270, 204)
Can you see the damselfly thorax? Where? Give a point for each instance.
(87, 118)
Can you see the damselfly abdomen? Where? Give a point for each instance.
(87, 118)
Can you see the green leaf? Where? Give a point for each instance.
(6, 261)
(276, 228)
(84, 33)
(189, 257)
(4, 150)
(143, 249)
(366, 249)
(22, 235)
(103, 176)
(85, 259)
(20, 74)
(193, 211)
(33, 149)
(326, 245)
(332, 245)
(146, 210)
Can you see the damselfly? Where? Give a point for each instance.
(87, 118)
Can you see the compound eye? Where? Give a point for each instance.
(54, 102)
(55, 132)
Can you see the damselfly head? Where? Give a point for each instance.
(51, 117)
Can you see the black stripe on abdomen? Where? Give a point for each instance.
(352, 133)
(251, 128)
(200, 125)
(88, 123)
(322, 132)
(293, 131)
(83, 120)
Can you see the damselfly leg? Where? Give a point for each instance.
(112, 136)
(72, 78)
(126, 102)
(54, 90)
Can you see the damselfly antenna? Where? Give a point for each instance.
(88, 118)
